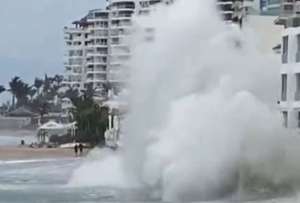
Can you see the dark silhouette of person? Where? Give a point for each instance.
(80, 148)
(76, 149)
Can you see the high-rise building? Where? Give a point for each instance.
(75, 39)
(96, 47)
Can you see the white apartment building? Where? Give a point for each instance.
(234, 11)
(290, 70)
(290, 77)
(96, 47)
(75, 39)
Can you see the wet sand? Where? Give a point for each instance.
(23, 153)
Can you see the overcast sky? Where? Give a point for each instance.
(31, 35)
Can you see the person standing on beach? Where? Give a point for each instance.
(76, 149)
(80, 149)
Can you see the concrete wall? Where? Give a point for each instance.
(14, 123)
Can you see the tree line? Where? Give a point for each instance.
(91, 118)
(35, 96)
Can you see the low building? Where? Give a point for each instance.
(51, 128)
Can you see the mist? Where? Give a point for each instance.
(203, 121)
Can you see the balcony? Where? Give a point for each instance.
(121, 16)
(96, 62)
(95, 80)
(96, 71)
(94, 53)
(99, 45)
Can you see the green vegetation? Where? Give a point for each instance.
(33, 96)
(39, 97)
(91, 119)
(2, 89)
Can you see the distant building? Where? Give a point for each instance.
(289, 18)
(233, 11)
(270, 7)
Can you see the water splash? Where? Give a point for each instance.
(202, 123)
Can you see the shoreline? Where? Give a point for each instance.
(26, 153)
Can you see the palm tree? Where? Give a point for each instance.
(32, 92)
(2, 89)
(72, 94)
(58, 79)
(89, 92)
(106, 87)
(47, 84)
(38, 83)
(22, 94)
(19, 91)
(92, 120)
(13, 85)
(40, 106)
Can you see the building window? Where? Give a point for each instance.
(288, 8)
(298, 120)
(285, 118)
(298, 49)
(283, 87)
(297, 93)
(285, 49)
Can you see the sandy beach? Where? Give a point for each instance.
(20, 153)
(10, 148)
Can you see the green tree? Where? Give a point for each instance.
(40, 106)
(71, 94)
(13, 85)
(20, 91)
(32, 92)
(2, 89)
(51, 86)
(38, 83)
(91, 119)
(89, 92)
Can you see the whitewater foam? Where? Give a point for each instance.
(202, 123)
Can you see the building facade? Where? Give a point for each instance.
(270, 7)
(234, 11)
(96, 45)
(290, 70)
(75, 39)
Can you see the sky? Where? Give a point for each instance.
(31, 35)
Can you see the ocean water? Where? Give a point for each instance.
(13, 137)
(203, 113)
(47, 181)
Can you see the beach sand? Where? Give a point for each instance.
(23, 153)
